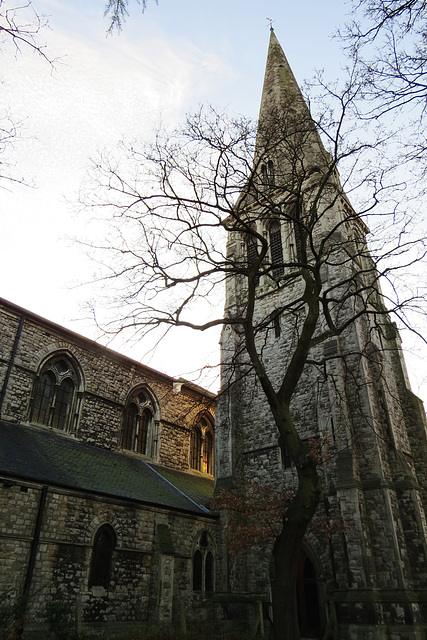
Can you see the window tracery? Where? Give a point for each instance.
(138, 424)
(55, 400)
(202, 446)
(203, 572)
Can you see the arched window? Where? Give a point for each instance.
(102, 557)
(196, 449)
(310, 613)
(203, 564)
(55, 400)
(209, 572)
(138, 424)
(202, 446)
(276, 249)
(264, 176)
(252, 253)
(43, 398)
(267, 175)
(197, 570)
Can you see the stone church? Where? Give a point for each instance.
(108, 467)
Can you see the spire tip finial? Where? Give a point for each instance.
(270, 23)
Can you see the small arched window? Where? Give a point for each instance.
(55, 400)
(204, 564)
(196, 449)
(267, 175)
(252, 254)
(276, 248)
(202, 446)
(138, 424)
(264, 177)
(102, 557)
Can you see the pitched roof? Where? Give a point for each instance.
(197, 488)
(41, 455)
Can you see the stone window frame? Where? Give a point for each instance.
(101, 563)
(267, 172)
(140, 423)
(201, 449)
(57, 393)
(203, 564)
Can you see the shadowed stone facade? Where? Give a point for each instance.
(73, 481)
(105, 464)
(368, 578)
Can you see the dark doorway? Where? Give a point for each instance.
(310, 621)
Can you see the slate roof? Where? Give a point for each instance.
(198, 488)
(48, 457)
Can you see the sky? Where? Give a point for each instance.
(103, 89)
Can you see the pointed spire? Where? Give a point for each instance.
(280, 91)
(284, 115)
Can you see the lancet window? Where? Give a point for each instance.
(276, 248)
(102, 557)
(204, 564)
(138, 423)
(202, 446)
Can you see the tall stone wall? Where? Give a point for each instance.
(355, 400)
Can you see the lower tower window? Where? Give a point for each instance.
(204, 564)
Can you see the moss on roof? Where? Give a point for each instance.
(49, 457)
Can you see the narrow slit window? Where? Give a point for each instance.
(276, 249)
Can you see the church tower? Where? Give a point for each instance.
(362, 569)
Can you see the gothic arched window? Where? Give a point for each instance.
(54, 399)
(252, 253)
(267, 175)
(202, 445)
(102, 557)
(264, 176)
(196, 449)
(203, 564)
(138, 424)
(276, 249)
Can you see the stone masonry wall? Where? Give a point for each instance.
(107, 379)
(62, 565)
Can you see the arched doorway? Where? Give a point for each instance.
(309, 607)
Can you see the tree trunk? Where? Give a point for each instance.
(286, 549)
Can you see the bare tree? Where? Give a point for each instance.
(387, 38)
(117, 11)
(170, 205)
(20, 26)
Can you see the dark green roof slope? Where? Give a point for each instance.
(48, 457)
(198, 488)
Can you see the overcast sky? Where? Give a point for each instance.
(177, 55)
